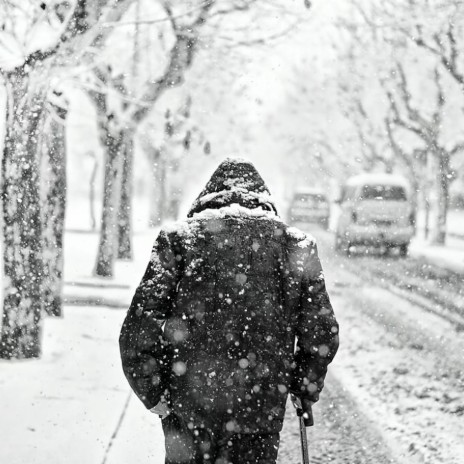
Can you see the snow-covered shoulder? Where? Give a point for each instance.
(303, 239)
(185, 227)
(237, 187)
(191, 226)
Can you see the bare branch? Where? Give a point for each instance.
(448, 60)
(398, 120)
(437, 114)
(459, 147)
(261, 40)
(181, 57)
(170, 17)
(413, 114)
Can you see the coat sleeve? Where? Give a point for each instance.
(145, 353)
(317, 331)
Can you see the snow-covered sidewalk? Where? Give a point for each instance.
(450, 256)
(74, 405)
(66, 407)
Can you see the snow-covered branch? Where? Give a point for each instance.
(57, 28)
(181, 55)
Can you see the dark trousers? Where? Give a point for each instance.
(187, 444)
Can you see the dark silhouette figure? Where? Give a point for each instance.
(235, 288)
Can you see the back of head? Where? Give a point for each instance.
(235, 181)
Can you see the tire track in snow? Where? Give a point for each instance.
(433, 289)
(430, 302)
(342, 433)
(405, 368)
(403, 363)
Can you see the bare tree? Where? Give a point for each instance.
(186, 29)
(395, 30)
(26, 77)
(428, 128)
(121, 128)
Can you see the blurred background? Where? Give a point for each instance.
(113, 115)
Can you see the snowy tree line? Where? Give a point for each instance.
(93, 44)
(416, 48)
(393, 99)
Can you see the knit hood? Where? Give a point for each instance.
(235, 181)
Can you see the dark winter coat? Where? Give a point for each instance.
(235, 287)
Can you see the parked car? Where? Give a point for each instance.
(376, 210)
(310, 206)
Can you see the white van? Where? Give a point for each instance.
(375, 210)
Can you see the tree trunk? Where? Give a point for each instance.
(107, 247)
(158, 193)
(53, 211)
(172, 188)
(22, 234)
(93, 176)
(442, 200)
(427, 216)
(415, 201)
(125, 204)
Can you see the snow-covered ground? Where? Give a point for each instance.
(404, 369)
(402, 364)
(451, 256)
(65, 407)
(395, 392)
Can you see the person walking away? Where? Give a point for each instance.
(208, 342)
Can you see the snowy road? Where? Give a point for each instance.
(342, 434)
(396, 389)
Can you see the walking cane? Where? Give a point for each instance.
(304, 422)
